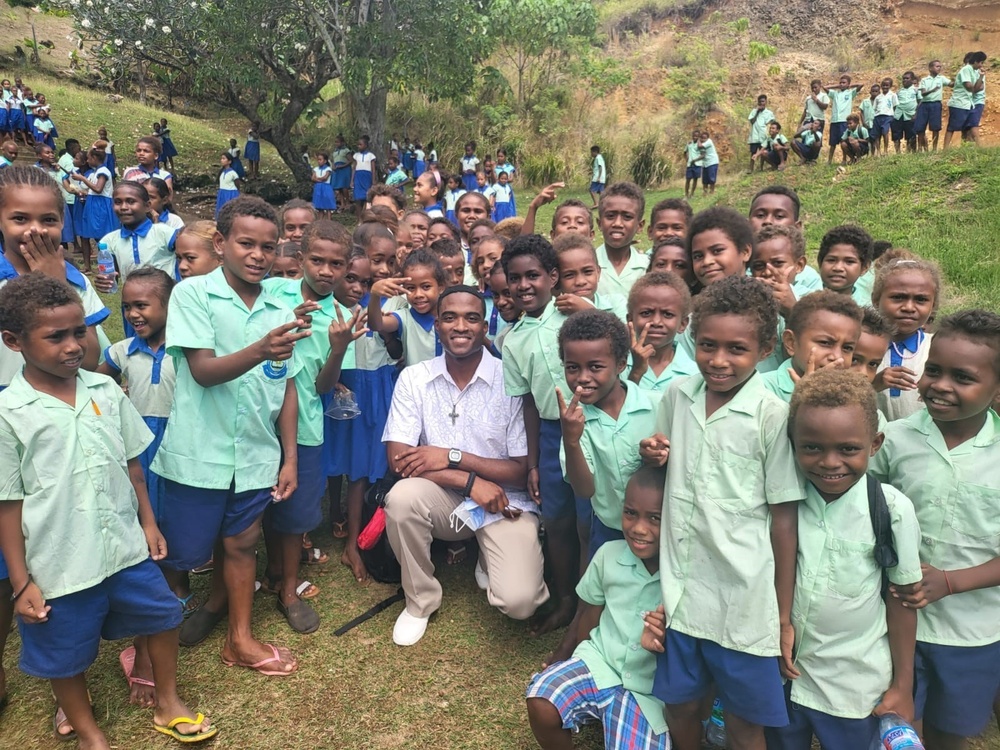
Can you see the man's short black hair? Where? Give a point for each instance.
(462, 289)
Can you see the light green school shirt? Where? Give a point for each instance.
(613, 282)
(867, 112)
(807, 281)
(612, 303)
(225, 433)
(979, 97)
(841, 103)
(961, 98)
(906, 103)
(779, 381)
(710, 153)
(930, 82)
(859, 133)
(618, 580)
(531, 363)
(778, 140)
(715, 543)
(693, 154)
(841, 635)
(69, 464)
(681, 365)
(312, 353)
(758, 128)
(956, 495)
(863, 288)
(813, 109)
(611, 449)
(598, 170)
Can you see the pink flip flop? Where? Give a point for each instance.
(259, 666)
(127, 659)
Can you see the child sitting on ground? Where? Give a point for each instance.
(609, 679)
(63, 609)
(854, 141)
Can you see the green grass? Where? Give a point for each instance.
(78, 112)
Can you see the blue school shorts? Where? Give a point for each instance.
(131, 602)
(303, 511)
(570, 687)
(710, 174)
(903, 128)
(928, 116)
(558, 500)
(692, 173)
(601, 534)
(748, 685)
(754, 148)
(195, 517)
(597, 187)
(837, 130)
(958, 119)
(975, 118)
(883, 125)
(831, 731)
(954, 686)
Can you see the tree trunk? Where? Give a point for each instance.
(369, 111)
(141, 75)
(282, 142)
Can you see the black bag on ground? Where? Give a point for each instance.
(380, 560)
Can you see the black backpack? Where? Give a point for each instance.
(380, 560)
(885, 550)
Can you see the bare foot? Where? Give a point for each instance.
(352, 559)
(559, 617)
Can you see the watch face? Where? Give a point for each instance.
(454, 456)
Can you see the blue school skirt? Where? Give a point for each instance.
(68, 233)
(323, 198)
(251, 151)
(407, 161)
(77, 211)
(238, 168)
(169, 149)
(112, 164)
(154, 483)
(98, 218)
(342, 178)
(469, 183)
(16, 119)
(30, 127)
(354, 446)
(504, 210)
(362, 183)
(223, 198)
(4, 120)
(419, 167)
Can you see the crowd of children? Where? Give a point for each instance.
(709, 425)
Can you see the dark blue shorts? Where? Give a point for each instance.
(837, 130)
(692, 173)
(749, 686)
(975, 118)
(883, 125)
(954, 686)
(928, 116)
(597, 187)
(134, 601)
(303, 511)
(831, 731)
(4, 573)
(709, 174)
(195, 517)
(958, 119)
(903, 128)
(601, 534)
(558, 500)
(754, 148)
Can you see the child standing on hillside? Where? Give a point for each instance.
(229, 183)
(906, 113)
(760, 117)
(961, 106)
(362, 174)
(323, 199)
(598, 173)
(709, 163)
(692, 172)
(470, 166)
(885, 113)
(817, 103)
(930, 92)
(841, 103)
(867, 109)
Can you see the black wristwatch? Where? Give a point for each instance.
(467, 492)
(454, 458)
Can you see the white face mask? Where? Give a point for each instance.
(470, 515)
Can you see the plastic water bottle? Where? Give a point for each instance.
(715, 732)
(895, 734)
(106, 265)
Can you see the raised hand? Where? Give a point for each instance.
(571, 417)
(277, 345)
(655, 450)
(342, 333)
(641, 352)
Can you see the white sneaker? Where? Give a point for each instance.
(408, 629)
(482, 579)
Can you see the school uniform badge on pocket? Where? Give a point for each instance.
(275, 369)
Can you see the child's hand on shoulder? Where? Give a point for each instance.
(654, 630)
(568, 304)
(571, 417)
(30, 605)
(901, 378)
(655, 450)
(343, 332)
(389, 287)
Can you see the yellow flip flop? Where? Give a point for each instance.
(171, 729)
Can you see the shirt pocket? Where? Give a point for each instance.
(488, 439)
(851, 568)
(732, 480)
(975, 512)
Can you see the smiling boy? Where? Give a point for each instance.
(620, 219)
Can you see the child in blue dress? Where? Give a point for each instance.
(98, 212)
(111, 159)
(323, 199)
(503, 199)
(470, 165)
(362, 174)
(341, 170)
(419, 163)
(169, 150)
(251, 150)
(451, 196)
(234, 156)
(229, 182)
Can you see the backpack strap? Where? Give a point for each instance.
(885, 550)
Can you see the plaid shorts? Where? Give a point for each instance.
(569, 686)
